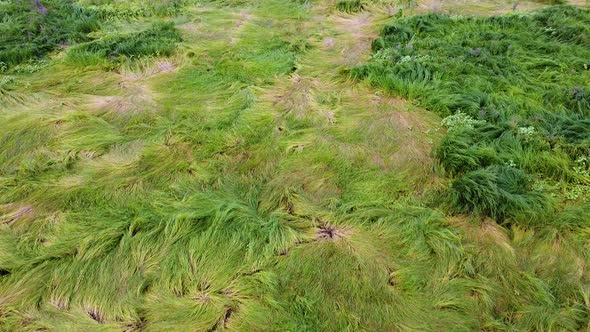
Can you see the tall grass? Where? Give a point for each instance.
(499, 192)
(250, 185)
(511, 87)
(32, 29)
(158, 40)
(349, 6)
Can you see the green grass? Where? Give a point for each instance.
(158, 40)
(349, 6)
(211, 166)
(132, 9)
(515, 85)
(30, 29)
(500, 192)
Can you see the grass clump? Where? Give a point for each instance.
(32, 29)
(132, 9)
(349, 6)
(158, 40)
(459, 152)
(486, 66)
(499, 192)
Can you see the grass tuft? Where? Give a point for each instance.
(158, 40)
(349, 6)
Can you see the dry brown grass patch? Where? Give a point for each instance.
(357, 37)
(242, 19)
(296, 97)
(11, 213)
(332, 232)
(135, 97)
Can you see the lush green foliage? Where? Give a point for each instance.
(136, 9)
(488, 67)
(31, 29)
(514, 87)
(158, 40)
(500, 192)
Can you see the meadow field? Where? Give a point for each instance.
(294, 165)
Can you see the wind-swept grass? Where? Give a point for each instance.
(511, 87)
(158, 40)
(349, 6)
(31, 29)
(220, 172)
(499, 192)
